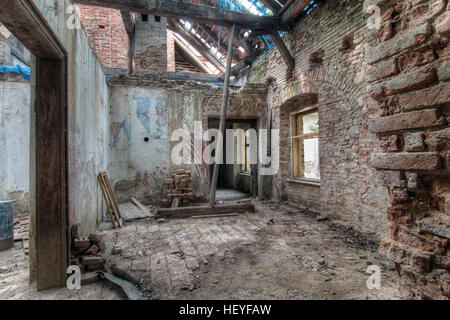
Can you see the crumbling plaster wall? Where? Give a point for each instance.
(348, 188)
(144, 113)
(15, 143)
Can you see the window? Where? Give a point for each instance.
(157, 19)
(305, 144)
(145, 17)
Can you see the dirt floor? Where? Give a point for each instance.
(280, 252)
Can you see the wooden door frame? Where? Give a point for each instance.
(25, 21)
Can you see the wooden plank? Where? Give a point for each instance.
(51, 174)
(223, 116)
(194, 12)
(107, 201)
(187, 212)
(112, 197)
(141, 206)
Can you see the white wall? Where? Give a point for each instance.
(15, 143)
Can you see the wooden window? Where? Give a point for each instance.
(305, 144)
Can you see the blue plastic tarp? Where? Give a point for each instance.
(24, 71)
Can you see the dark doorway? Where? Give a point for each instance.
(238, 180)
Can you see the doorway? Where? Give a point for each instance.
(237, 180)
(49, 250)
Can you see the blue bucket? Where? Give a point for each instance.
(6, 224)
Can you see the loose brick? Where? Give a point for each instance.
(443, 25)
(414, 142)
(406, 121)
(422, 262)
(444, 71)
(408, 82)
(382, 70)
(392, 179)
(407, 161)
(433, 96)
(401, 42)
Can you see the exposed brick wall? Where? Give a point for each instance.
(409, 74)
(349, 189)
(106, 35)
(151, 45)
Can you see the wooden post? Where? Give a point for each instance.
(223, 117)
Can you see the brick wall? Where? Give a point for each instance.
(151, 45)
(349, 189)
(408, 74)
(106, 34)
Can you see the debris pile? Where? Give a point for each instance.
(178, 189)
(87, 253)
(21, 232)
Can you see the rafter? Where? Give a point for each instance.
(174, 26)
(194, 12)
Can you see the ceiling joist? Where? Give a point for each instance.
(194, 12)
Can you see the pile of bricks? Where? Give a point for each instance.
(87, 253)
(178, 187)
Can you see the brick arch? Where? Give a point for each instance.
(324, 87)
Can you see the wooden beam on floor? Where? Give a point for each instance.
(196, 43)
(194, 12)
(223, 117)
(187, 212)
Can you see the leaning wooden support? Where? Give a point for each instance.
(223, 117)
(284, 52)
(188, 212)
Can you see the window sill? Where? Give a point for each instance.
(305, 181)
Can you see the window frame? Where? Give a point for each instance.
(297, 139)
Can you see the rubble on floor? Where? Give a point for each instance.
(21, 232)
(279, 252)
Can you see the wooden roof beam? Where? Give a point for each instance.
(194, 12)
